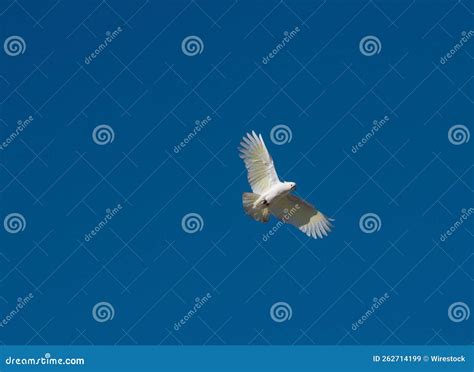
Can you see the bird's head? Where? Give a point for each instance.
(291, 186)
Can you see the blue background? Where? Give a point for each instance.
(320, 85)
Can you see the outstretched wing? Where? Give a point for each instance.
(259, 163)
(294, 210)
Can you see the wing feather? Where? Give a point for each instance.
(261, 170)
(297, 212)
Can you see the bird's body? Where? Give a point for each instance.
(275, 192)
(270, 196)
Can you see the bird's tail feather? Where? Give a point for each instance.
(259, 213)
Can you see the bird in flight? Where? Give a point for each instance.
(270, 196)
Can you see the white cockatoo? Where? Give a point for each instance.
(271, 196)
